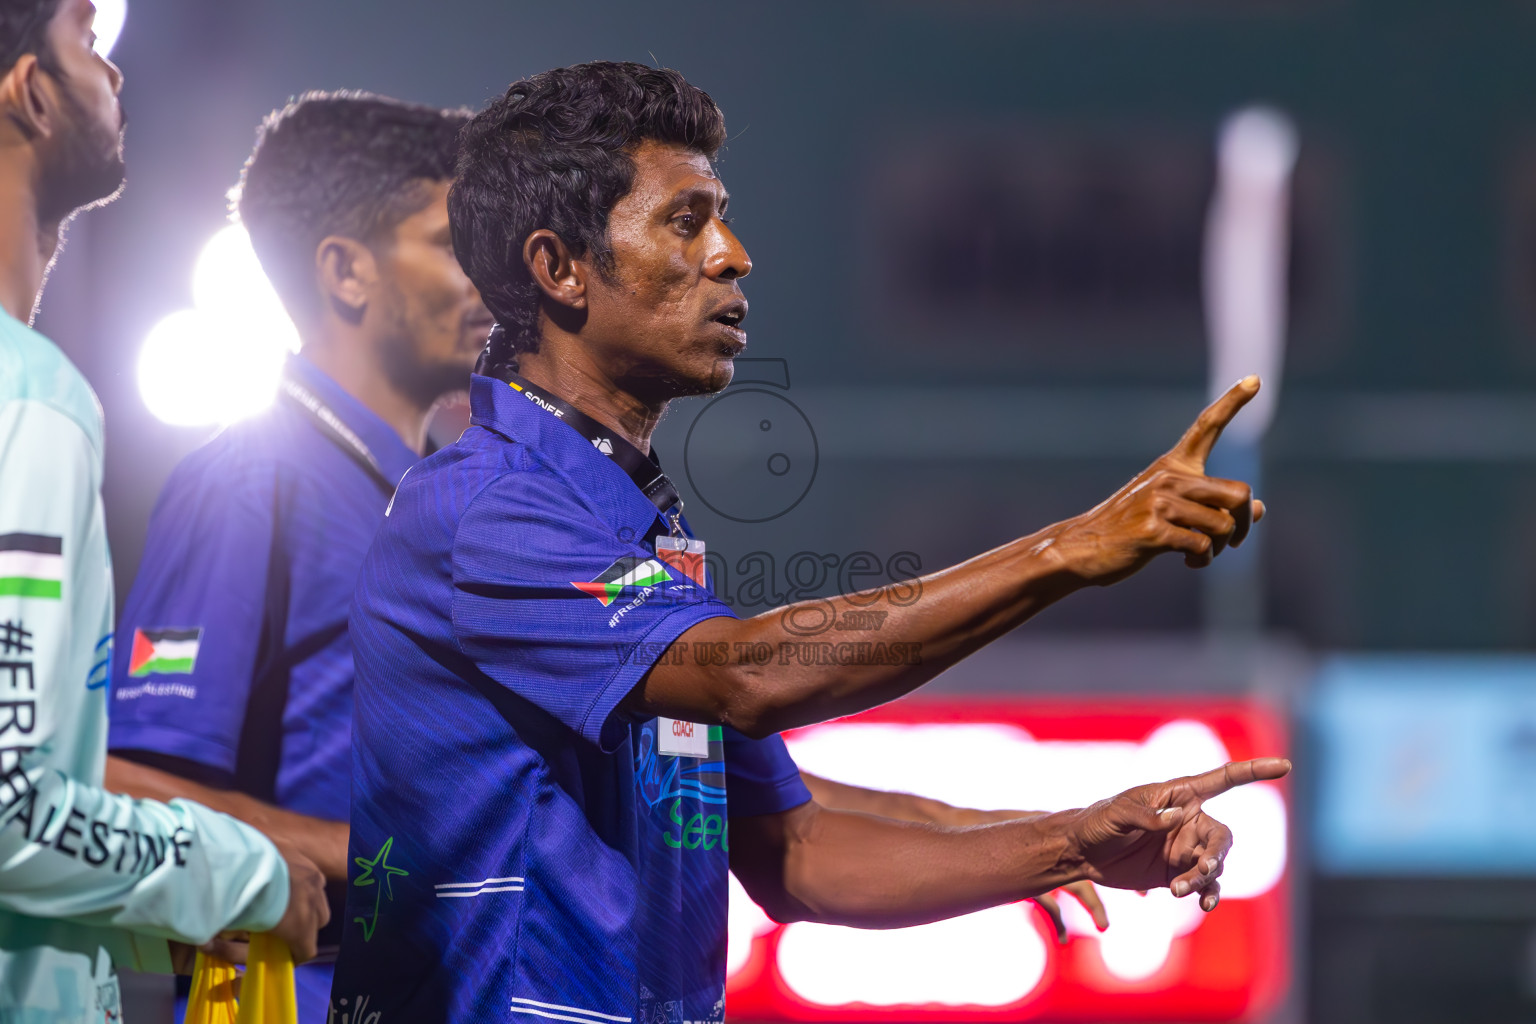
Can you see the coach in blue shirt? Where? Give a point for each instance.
(233, 684)
(561, 737)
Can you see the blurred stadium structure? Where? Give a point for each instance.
(979, 231)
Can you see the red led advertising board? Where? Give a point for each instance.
(1161, 959)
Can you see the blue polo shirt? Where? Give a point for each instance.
(522, 851)
(234, 652)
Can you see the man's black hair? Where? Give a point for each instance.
(555, 152)
(24, 29)
(338, 163)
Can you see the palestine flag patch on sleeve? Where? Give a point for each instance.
(164, 651)
(626, 572)
(31, 565)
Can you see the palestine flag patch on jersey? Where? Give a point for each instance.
(31, 565)
(626, 572)
(164, 651)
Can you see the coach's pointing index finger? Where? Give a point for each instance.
(1201, 437)
(1238, 773)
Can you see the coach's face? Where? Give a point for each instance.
(668, 323)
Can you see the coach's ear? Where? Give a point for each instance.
(346, 274)
(559, 275)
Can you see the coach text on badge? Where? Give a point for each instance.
(676, 738)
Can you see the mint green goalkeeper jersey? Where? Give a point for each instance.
(90, 881)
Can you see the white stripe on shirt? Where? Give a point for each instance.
(32, 564)
(474, 885)
(468, 893)
(572, 1009)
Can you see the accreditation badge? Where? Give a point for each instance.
(677, 738)
(674, 737)
(685, 554)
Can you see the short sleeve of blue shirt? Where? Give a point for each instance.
(550, 603)
(188, 640)
(760, 776)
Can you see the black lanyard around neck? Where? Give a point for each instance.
(331, 425)
(644, 470)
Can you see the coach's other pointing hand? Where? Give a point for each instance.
(1158, 835)
(1170, 506)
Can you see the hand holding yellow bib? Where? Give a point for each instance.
(266, 990)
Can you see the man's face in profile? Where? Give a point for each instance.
(437, 323)
(669, 316)
(85, 155)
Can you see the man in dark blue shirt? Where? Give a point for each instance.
(561, 738)
(233, 682)
(234, 685)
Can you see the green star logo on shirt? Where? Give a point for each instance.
(386, 870)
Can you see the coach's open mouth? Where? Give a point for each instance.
(732, 315)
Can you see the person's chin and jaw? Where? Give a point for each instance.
(726, 336)
(425, 360)
(437, 321)
(86, 163)
(709, 359)
(687, 369)
(663, 357)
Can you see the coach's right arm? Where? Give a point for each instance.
(1170, 506)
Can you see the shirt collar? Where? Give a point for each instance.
(495, 406)
(393, 454)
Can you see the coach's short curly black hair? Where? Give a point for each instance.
(338, 163)
(24, 29)
(555, 152)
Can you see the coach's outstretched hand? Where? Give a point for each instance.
(1170, 506)
(1157, 835)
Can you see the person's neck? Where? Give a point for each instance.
(360, 375)
(27, 245)
(569, 372)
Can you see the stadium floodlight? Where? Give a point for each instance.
(228, 277)
(110, 15)
(219, 361)
(175, 366)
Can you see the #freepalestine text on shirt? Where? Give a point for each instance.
(96, 843)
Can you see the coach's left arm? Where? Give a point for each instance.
(844, 867)
(911, 807)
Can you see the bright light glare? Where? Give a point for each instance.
(174, 365)
(110, 15)
(1256, 815)
(195, 370)
(991, 958)
(745, 921)
(1002, 766)
(1142, 929)
(219, 361)
(227, 276)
